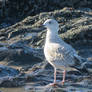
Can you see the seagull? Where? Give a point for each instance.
(57, 52)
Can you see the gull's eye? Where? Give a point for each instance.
(50, 22)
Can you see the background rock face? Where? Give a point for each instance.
(13, 7)
(12, 11)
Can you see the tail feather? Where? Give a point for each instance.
(83, 64)
(88, 66)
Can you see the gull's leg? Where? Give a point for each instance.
(54, 83)
(64, 73)
(55, 75)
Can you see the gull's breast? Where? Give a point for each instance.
(57, 58)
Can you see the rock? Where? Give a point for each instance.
(7, 74)
(75, 27)
(12, 11)
(22, 45)
(26, 38)
(17, 53)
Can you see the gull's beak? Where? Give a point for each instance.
(44, 25)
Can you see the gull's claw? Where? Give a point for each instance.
(53, 84)
(62, 82)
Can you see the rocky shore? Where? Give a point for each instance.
(21, 48)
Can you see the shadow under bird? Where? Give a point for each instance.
(60, 54)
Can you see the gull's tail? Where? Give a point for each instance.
(83, 64)
(88, 66)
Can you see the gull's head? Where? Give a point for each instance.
(51, 24)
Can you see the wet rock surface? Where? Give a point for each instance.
(7, 74)
(21, 47)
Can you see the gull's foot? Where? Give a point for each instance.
(53, 84)
(62, 82)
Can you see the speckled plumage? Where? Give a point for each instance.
(57, 52)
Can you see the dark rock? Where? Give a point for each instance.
(7, 75)
(7, 71)
(12, 11)
(34, 7)
(20, 54)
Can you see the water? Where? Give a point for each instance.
(20, 89)
(41, 89)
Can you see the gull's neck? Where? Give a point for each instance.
(52, 36)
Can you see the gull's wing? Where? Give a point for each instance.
(66, 54)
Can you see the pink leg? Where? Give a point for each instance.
(54, 83)
(55, 75)
(64, 73)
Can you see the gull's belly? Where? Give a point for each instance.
(48, 57)
(55, 61)
(58, 61)
(56, 57)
